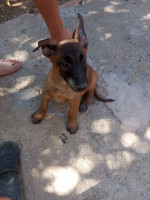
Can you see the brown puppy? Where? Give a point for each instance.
(70, 78)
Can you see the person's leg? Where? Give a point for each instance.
(50, 12)
(9, 66)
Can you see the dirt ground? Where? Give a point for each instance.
(18, 7)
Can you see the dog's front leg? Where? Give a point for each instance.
(72, 126)
(39, 114)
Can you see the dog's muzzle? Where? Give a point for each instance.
(82, 86)
(77, 88)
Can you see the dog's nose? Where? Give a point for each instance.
(82, 86)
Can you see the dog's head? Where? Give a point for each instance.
(69, 56)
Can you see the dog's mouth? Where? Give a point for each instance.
(77, 88)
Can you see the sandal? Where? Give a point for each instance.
(10, 174)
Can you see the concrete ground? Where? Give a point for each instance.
(109, 157)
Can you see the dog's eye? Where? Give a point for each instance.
(65, 65)
(83, 58)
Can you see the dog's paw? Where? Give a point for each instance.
(72, 128)
(37, 117)
(83, 108)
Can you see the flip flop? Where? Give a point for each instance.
(10, 174)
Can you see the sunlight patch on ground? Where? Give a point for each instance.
(22, 82)
(101, 126)
(100, 28)
(3, 91)
(15, 41)
(147, 134)
(115, 3)
(86, 184)
(142, 147)
(29, 94)
(17, 4)
(84, 162)
(34, 44)
(19, 55)
(146, 16)
(64, 181)
(107, 35)
(19, 40)
(112, 9)
(119, 159)
(85, 151)
(130, 140)
(35, 173)
(45, 152)
(93, 12)
(83, 165)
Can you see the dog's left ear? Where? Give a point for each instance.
(49, 47)
(80, 34)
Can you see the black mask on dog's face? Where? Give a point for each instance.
(73, 66)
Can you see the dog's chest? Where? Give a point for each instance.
(63, 95)
(60, 91)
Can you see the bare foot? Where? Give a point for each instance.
(9, 66)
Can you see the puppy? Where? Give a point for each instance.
(70, 78)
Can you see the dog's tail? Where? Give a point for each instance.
(100, 97)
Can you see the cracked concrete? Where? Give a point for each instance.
(132, 105)
(109, 157)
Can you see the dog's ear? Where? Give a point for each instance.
(80, 34)
(49, 47)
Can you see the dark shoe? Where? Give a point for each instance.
(10, 175)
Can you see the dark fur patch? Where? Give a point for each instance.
(73, 65)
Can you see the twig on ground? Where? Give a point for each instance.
(134, 78)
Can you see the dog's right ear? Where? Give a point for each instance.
(49, 47)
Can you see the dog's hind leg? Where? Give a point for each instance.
(39, 114)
